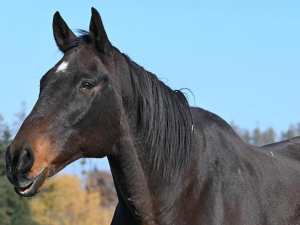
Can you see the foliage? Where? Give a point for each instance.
(258, 137)
(63, 201)
(102, 182)
(291, 132)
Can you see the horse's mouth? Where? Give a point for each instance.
(34, 187)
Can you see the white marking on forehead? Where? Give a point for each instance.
(62, 67)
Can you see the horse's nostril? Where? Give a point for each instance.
(24, 160)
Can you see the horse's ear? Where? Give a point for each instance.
(98, 34)
(61, 31)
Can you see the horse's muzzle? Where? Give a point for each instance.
(32, 188)
(18, 164)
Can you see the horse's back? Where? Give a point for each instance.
(244, 183)
(289, 148)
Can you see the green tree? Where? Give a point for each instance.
(268, 136)
(290, 133)
(246, 136)
(243, 133)
(257, 137)
(83, 163)
(298, 129)
(260, 138)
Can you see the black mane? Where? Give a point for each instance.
(164, 121)
(164, 117)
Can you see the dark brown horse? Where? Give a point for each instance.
(171, 164)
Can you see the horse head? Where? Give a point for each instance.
(79, 95)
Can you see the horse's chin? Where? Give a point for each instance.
(35, 186)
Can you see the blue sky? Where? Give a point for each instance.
(239, 58)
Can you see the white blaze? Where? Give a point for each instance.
(62, 67)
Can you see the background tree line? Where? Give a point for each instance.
(259, 137)
(88, 199)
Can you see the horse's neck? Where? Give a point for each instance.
(147, 195)
(131, 181)
(141, 192)
(144, 193)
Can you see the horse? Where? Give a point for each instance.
(171, 163)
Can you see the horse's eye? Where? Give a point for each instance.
(86, 86)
